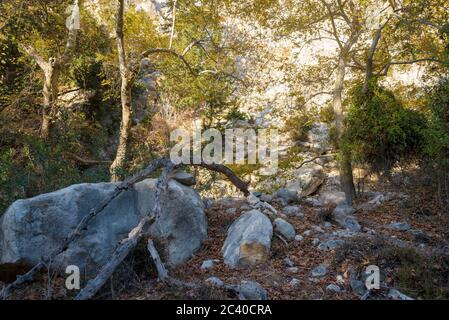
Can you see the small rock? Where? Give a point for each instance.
(231, 210)
(333, 288)
(295, 283)
(399, 226)
(396, 294)
(288, 262)
(266, 198)
(307, 233)
(208, 202)
(336, 198)
(357, 286)
(315, 241)
(318, 229)
(287, 195)
(319, 272)
(290, 210)
(185, 178)
(284, 228)
(312, 202)
(252, 291)
(343, 216)
(331, 244)
(299, 237)
(327, 225)
(293, 270)
(215, 281)
(207, 264)
(257, 194)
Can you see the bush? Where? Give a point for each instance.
(436, 147)
(379, 130)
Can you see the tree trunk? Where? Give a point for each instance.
(125, 95)
(346, 175)
(50, 93)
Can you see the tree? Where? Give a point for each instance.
(50, 58)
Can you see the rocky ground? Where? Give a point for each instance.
(404, 234)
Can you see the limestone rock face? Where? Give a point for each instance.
(32, 228)
(249, 240)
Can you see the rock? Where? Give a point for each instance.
(257, 194)
(295, 283)
(207, 264)
(284, 228)
(185, 178)
(344, 233)
(327, 225)
(399, 226)
(291, 210)
(333, 288)
(249, 240)
(299, 237)
(333, 198)
(315, 241)
(251, 290)
(293, 270)
(331, 244)
(319, 271)
(420, 236)
(357, 286)
(288, 262)
(343, 216)
(208, 202)
(312, 186)
(287, 196)
(34, 227)
(396, 294)
(312, 202)
(231, 211)
(318, 229)
(215, 282)
(318, 137)
(374, 202)
(266, 198)
(307, 233)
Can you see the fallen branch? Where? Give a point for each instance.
(163, 274)
(129, 243)
(240, 184)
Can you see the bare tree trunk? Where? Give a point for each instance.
(346, 175)
(125, 96)
(50, 93)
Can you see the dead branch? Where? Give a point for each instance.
(240, 184)
(129, 243)
(86, 162)
(163, 274)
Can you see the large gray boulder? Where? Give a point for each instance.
(249, 240)
(32, 228)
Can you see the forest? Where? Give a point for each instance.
(224, 150)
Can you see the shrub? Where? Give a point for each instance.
(436, 147)
(379, 130)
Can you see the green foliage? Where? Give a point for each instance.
(437, 133)
(299, 124)
(379, 130)
(417, 275)
(33, 166)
